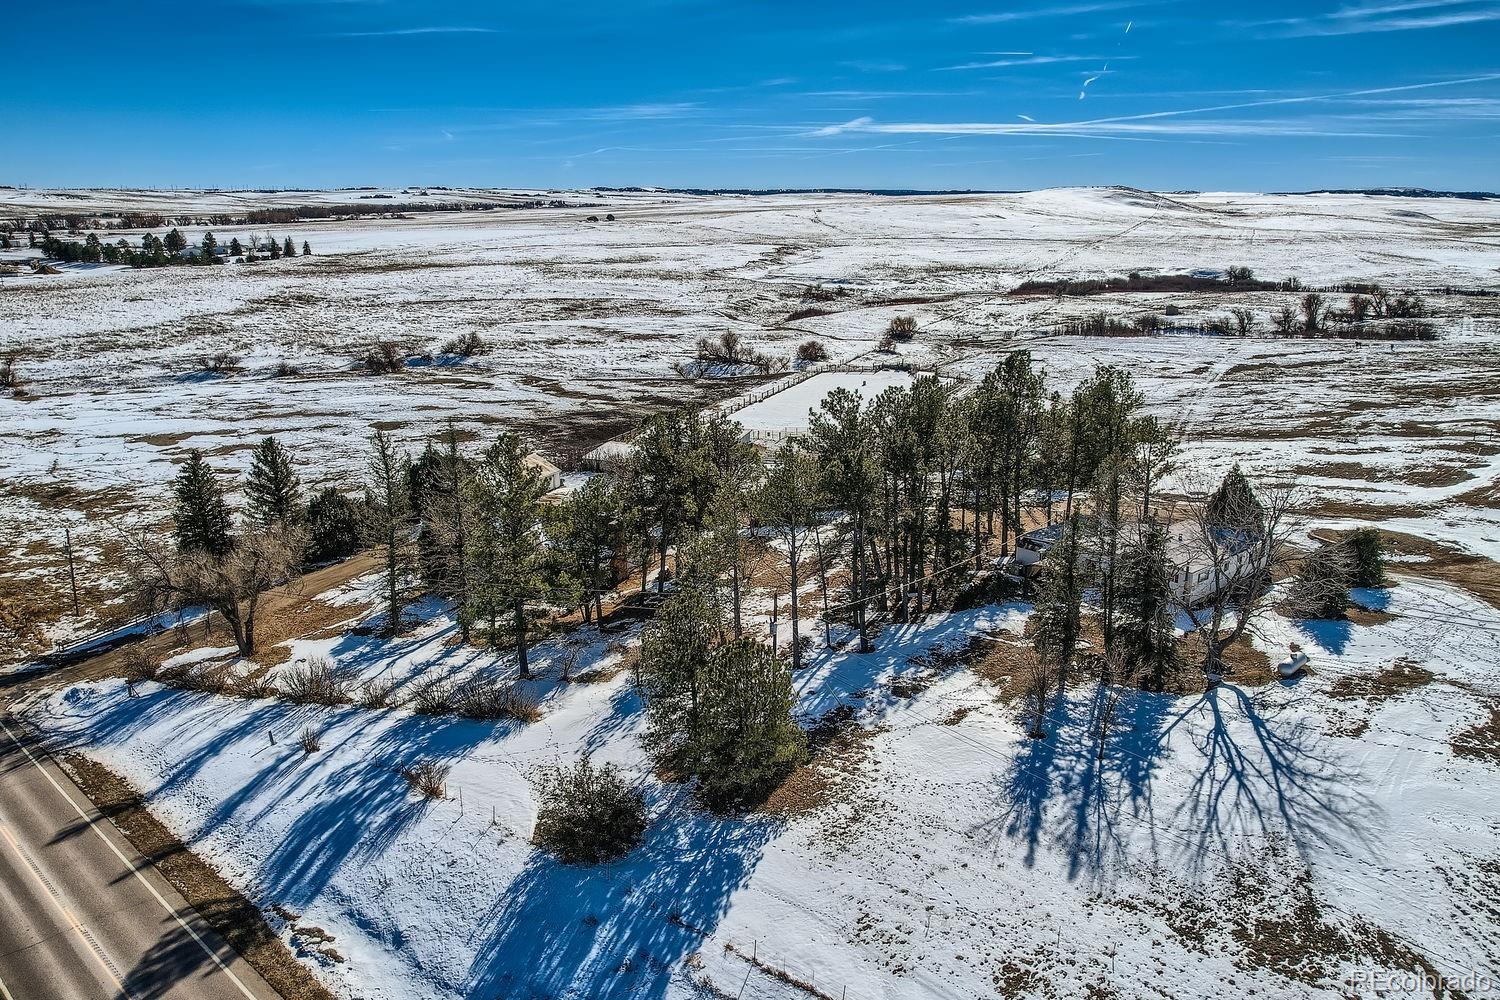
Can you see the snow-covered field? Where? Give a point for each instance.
(1275, 840)
(586, 323)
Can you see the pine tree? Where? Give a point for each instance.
(674, 653)
(1059, 605)
(589, 523)
(387, 520)
(273, 489)
(748, 741)
(842, 436)
(275, 248)
(288, 249)
(236, 249)
(787, 505)
(175, 242)
(1234, 504)
(512, 565)
(1148, 634)
(306, 249)
(1367, 554)
(93, 249)
(208, 246)
(202, 515)
(333, 523)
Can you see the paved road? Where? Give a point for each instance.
(81, 916)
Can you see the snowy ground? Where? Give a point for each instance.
(587, 323)
(1277, 839)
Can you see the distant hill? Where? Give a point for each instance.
(1406, 193)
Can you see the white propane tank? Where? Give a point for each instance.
(1294, 663)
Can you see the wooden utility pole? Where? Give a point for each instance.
(72, 573)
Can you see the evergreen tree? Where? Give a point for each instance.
(1367, 556)
(175, 242)
(842, 436)
(1148, 633)
(275, 248)
(787, 505)
(512, 564)
(236, 249)
(1234, 505)
(1059, 605)
(202, 515)
(273, 488)
(208, 245)
(306, 249)
(588, 523)
(748, 741)
(675, 648)
(289, 249)
(441, 494)
(93, 249)
(333, 522)
(387, 520)
(1321, 588)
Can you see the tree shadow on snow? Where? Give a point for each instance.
(356, 812)
(1251, 775)
(616, 930)
(1258, 775)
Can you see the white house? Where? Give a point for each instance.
(551, 474)
(1202, 561)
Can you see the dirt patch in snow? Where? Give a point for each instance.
(1481, 741)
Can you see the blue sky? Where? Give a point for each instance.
(729, 93)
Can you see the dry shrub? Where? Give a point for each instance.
(9, 377)
(588, 814)
(285, 369)
(812, 351)
(434, 698)
(485, 701)
(385, 358)
(212, 678)
(376, 694)
(255, 688)
(427, 777)
(139, 665)
(466, 345)
(902, 328)
(219, 363)
(308, 741)
(316, 682)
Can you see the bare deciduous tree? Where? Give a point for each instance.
(230, 583)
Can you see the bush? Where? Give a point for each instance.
(376, 694)
(385, 358)
(138, 664)
(255, 687)
(901, 328)
(466, 345)
(477, 699)
(316, 682)
(308, 741)
(1367, 558)
(486, 701)
(285, 369)
(213, 678)
(219, 363)
(812, 351)
(427, 777)
(588, 814)
(9, 377)
(433, 698)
